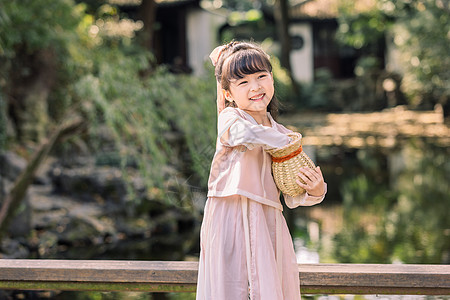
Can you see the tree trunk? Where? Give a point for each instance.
(13, 200)
(281, 12)
(148, 15)
(282, 23)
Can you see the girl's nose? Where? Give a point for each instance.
(255, 86)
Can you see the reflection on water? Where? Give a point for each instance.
(304, 254)
(383, 206)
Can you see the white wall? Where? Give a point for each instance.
(202, 29)
(302, 60)
(392, 53)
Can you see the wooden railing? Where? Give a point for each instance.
(181, 276)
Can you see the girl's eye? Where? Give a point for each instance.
(262, 75)
(242, 82)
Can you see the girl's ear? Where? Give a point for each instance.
(227, 95)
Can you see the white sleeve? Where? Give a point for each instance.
(235, 131)
(304, 199)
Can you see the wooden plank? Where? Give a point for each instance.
(97, 286)
(375, 279)
(178, 272)
(181, 276)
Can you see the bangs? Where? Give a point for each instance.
(246, 62)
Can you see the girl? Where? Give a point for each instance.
(246, 249)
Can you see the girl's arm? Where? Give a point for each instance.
(235, 131)
(304, 199)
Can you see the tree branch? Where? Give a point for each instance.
(16, 195)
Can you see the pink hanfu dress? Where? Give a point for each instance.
(246, 249)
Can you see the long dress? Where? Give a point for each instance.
(246, 250)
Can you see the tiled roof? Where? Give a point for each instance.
(326, 9)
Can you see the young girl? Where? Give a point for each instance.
(246, 249)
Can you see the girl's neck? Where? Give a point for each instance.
(260, 117)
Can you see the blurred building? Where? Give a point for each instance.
(313, 28)
(184, 33)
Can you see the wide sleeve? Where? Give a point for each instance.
(304, 199)
(233, 131)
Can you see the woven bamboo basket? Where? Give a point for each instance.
(286, 163)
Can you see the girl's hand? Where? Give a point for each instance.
(314, 184)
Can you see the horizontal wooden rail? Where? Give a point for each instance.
(181, 276)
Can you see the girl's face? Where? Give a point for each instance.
(253, 92)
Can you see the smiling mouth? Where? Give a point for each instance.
(257, 97)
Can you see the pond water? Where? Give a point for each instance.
(382, 206)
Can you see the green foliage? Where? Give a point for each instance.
(35, 24)
(141, 113)
(419, 30)
(283, 85)
(422, 36)
(318, 93)
(28, 28)
(118, 98)
(247, 26)
(362, 30)
(188, 103)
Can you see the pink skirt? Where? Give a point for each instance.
(239, 260)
